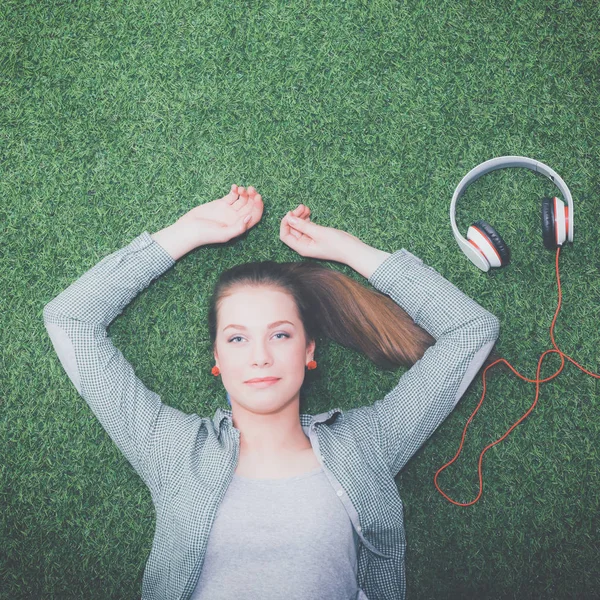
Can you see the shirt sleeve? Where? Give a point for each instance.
(137, 421)
(428, 392)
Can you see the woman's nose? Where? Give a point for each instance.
(261, 354)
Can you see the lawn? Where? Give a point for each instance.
(118, 117)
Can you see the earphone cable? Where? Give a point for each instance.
(537, 381)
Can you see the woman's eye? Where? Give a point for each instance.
(239, 337)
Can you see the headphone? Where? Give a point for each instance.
(484, 246)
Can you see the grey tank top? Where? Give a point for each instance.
(280, 538)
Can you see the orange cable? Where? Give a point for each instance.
(537, 381)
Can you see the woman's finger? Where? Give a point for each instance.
(301, 211)
(294, 228)
(285, 229)
(243, 201)
(286, 235)
(299, 224)
(245, 222)
(232, 196)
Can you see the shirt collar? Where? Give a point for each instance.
(222, 414)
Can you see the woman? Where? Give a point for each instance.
(262, 501)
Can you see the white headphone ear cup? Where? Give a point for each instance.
(560, 222)
(477, 237)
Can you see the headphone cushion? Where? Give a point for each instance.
(496, 240)
(548, 223)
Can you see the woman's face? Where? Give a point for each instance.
(260, 334)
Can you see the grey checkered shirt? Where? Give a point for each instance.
(187, 461)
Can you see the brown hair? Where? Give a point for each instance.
(336, 306)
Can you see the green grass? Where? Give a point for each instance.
(119, 117)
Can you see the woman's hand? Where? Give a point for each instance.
(315, 241)
(222, 220)
(211, 223)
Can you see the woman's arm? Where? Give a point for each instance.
(364, 259)
(149, 433)
(76, 321)
(177, 239)
(465, 332)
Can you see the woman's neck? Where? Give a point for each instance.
(270, 434)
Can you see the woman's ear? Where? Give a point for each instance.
(310, 350)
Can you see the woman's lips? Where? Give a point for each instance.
(262, 383)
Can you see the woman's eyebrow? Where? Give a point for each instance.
(276, 324)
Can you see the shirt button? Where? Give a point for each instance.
(322, 457)
(359, 528)
(340, 492)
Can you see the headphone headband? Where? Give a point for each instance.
(504, 162)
